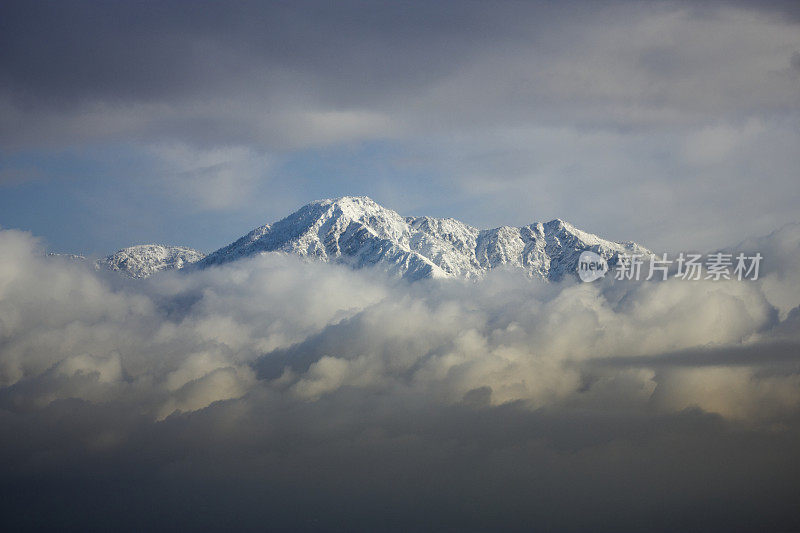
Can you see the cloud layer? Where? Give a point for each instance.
(272, 75)
(274, 393)
(501, 113)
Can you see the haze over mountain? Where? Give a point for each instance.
(357, 231)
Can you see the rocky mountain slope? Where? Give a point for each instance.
(145, 260)
(359, 232)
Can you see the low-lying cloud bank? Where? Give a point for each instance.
(283, 395)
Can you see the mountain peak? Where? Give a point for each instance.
(357, 231)
(348, 200)
(143, 260)
(558, 223)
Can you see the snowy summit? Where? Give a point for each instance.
(357, 231)
(146, 259)
(360, 232)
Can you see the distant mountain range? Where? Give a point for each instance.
(359, 232)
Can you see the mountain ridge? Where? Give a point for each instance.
(144, 260)
(357, 231)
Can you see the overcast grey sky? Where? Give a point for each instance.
(670, 123)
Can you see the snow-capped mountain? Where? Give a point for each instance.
(359, 232)
(147, 259)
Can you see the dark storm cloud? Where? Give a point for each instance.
(356, 463)
(64, 56)
(265, 74)
(768, 354)
(133, 51)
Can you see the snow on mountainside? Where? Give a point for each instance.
(147, 259)
(359, 232)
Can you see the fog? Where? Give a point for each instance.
(275, 394)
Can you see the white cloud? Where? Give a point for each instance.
(308, 375)
(198, 337)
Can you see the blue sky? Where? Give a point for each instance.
(665, 123)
